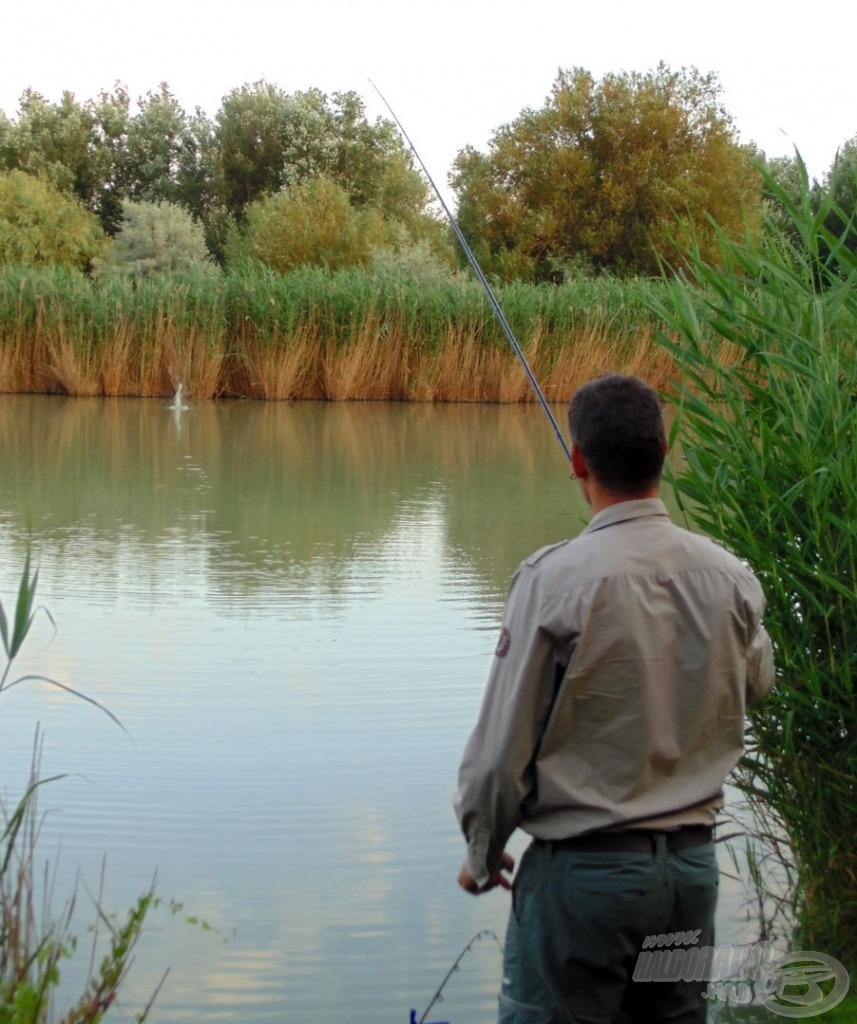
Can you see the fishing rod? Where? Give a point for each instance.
(477, 270)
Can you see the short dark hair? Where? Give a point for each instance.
(618, 424)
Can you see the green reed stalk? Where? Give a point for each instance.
(61, 331)
(768, 428)
(34, 946)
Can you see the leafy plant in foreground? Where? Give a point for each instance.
(767, 347)
(33, 947)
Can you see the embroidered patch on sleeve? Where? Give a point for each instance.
(504, 643)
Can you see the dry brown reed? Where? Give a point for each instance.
(14, 366)
(379, 361)
(22, 352)
(463, 370)
(593, 354)
(197, 361)
(127, 363)
(278, 370)
(69, 370)
(373, 365)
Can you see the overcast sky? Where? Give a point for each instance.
(452, 69)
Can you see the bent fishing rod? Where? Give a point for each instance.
(477, 270)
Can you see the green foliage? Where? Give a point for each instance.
(768, 427)
(54, 142)
(308, 180)
(74, 146)
(34, 948)
(262, 140)
(620, 173)
(39, 226)
(268, 140)
(844, 1013)
(253, 141)
(87, 311)
(310, 224)
(787, 177)
(158, 237)
(166, 155)
(14, 636)
(841, 183)
(375, 168)
(413, 262)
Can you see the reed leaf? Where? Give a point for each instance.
(770, 469)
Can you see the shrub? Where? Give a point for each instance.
(158, 237)
(40, 226)
(312, 223)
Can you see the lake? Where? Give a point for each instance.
(292, 610)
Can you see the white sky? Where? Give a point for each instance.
(452, 69)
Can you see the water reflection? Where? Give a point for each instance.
(276, 488)
(291, 608)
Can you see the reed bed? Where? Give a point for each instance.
(314, 334)
(770, 469)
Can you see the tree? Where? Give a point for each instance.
(158, 236)
(54, 142)
(168, 156)
(40, 226)
(312, 223)
(267, 140)
(373, 165)
(153, 149)
(261, 141)
(110, 113)
(620, 173)
(74, 146)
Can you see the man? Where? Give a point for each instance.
(613, 713)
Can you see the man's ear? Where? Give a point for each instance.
(578, 463)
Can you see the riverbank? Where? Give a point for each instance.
(314, 334)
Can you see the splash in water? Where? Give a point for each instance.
(178, 405)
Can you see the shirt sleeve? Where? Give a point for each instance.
(760, 665)
(760, 651)
(496, 775)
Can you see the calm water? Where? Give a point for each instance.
(292, 609)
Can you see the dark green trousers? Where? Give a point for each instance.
(579, 922)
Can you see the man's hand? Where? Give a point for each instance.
(467, 883)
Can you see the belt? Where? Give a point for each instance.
(633, 840)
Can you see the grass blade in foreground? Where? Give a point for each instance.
(34, 943)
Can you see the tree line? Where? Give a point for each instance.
(615, 175)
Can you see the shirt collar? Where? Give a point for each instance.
(623, 511)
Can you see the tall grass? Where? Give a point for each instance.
(34, 943)
(770, 468)
(350, 334)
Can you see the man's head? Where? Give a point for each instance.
(617, 426)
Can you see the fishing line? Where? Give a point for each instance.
(495, 305)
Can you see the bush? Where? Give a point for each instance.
(311, 224)
(156, 238)
(40, 226)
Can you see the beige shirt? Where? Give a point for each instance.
(616, 697)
